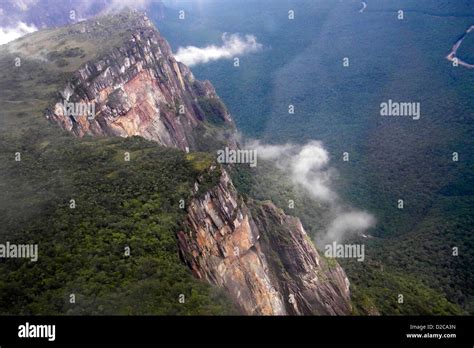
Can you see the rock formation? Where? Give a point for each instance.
(260, 256)
(139, 89)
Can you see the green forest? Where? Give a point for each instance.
(115, 248)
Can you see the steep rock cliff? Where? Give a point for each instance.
(262, 257)
(139, 89)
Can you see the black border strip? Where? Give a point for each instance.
(239, 330)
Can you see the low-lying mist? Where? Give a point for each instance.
(308, 167)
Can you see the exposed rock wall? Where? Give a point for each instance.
(262, 257)
(138, 89)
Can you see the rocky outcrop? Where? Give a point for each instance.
(138, 89)
(262, 257)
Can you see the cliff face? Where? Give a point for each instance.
(139, 89)
(262, 257)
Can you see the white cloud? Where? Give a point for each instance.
(233, 45)
(8, 34)
(346, 224)
(308, 167)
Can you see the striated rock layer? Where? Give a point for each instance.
(262, 257)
